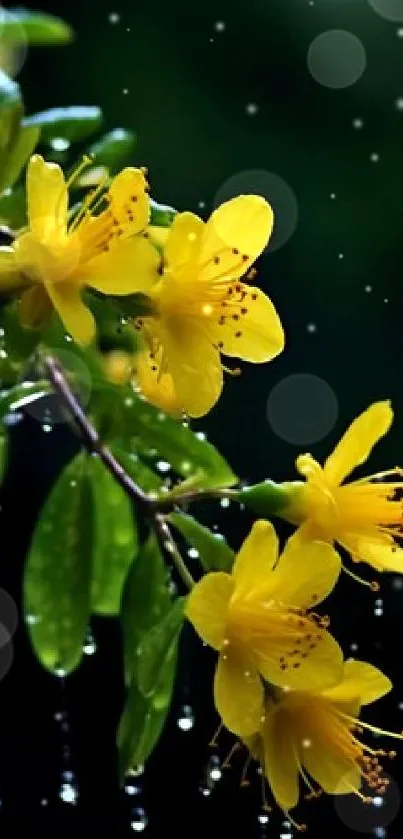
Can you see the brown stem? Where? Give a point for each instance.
(93, 443)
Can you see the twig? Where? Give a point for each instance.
(93, 444)
(90, 436)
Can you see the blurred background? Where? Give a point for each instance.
(302, 102)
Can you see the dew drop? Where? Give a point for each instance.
(59, 143)
(252, 109)
(186, 718)
(139, 820)
(68, 793)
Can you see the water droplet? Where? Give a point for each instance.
(263, 818)
(59, 143)
(128, 402)
(379, 832)
(68, 793)
(368, 289)
(219, 26)
(311, 328)
(399, 103)
(200, 435)
(186, 466)
(193, 553)
(252, 109)
(340, 255)
(44, 802)
(114, 17)
(163, 466)
(46, 427)
(125, 91)
(32, 619)
(358, 123)
(333, 195)
(354, 647)
(374, 157)
(225, 502)
(186, 718)
(378, 801)
(89, 646)
(131, 789)
(139, 820)
(399, 32)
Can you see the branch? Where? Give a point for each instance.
(90, 436)
(93, 443)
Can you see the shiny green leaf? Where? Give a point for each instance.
(10, 94)
(114, 149)
(24, 144)
(145, 600)
(13, 207)
(73, 123)
(18, 397)
(214, 551)
(142, 723)
(155, 649)
(148, 480)
(57, 586)
(115, 538)
(3, 453)
(24, 26)
(190, 456)
(10, 116)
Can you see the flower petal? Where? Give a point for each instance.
(305, 574)
(357, 443)
(10, 277)
(381, 555)
(47, 199)
(194, 365)
(249, 327)
(158, 235)
(280, 757)
(129, 267)
(35, 307)
(156, 386)
(75, 316)
(238, 693)
(321, 668)
(207, 607)
(256, 559)
(183, 368)
(129, 201)
(183, 241)
(333, 772)
(360, 680)
(235, 235)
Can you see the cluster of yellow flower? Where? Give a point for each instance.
(190, 272)
(281, 685)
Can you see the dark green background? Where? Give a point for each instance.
(186, 100)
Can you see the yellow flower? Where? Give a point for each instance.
(257, 619)
(317, 732)
(363, 516)
(203, 309)
(52, 261)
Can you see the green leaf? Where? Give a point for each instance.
(161, 214)
(190, 456)
(138, 470)
(141, 723)
(73, 123)
(13, 207)
(10, 116)
(115, 538)
(214, 552)
(57, 584)
(145, 600)
(3, 453)
(23, 26)
(18, 397)
(155, 649)
(114, 149)
(10, 94)
(24, 144)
